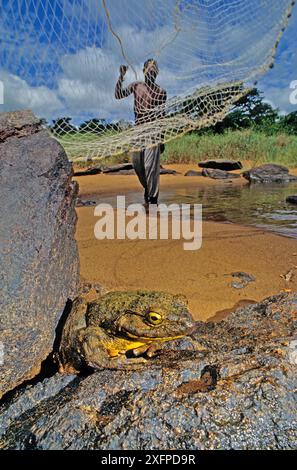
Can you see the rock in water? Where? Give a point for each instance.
(167, 171)
(220, 164)
(39, 259)
(193, 173)
(292, 199)
(128, 169)
(219, 174)
(118, 169)
(237, 390)
(269, 173)
(93, 170)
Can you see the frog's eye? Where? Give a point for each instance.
(154, 318)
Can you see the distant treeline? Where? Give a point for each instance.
(249, 112)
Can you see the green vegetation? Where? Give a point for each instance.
(253, 130)
(252, 145)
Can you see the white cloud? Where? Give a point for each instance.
(19, 95)
(84, 80)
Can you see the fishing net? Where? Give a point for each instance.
(62, 58)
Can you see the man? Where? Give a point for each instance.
(149, 105)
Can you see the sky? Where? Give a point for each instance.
(59, 58)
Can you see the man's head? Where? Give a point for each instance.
(151, 69)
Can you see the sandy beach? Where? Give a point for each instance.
(204, 276)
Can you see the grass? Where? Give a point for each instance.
(238, 145)
(246, 145)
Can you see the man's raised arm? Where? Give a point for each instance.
(121, 92)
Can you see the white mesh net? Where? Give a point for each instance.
(63, 57)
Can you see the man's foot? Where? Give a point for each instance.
(153, 200)
(147, 206)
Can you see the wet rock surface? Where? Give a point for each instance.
(232, 386)
(219, 174)
(221, 164)
(269, 173)
(39, 259)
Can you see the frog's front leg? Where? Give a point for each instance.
(101, 351)
(93, 346)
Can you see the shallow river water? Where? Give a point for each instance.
(259, 205)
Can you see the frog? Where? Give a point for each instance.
(120, 330)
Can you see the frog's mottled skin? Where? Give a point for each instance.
(121, 326)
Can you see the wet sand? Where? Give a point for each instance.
(204, 276)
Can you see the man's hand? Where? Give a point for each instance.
(123, 70)
(121, 92)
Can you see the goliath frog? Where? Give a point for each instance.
(122, 329)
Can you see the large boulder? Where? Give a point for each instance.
(269, 173)
(38, 257)
(232, 387)
(221, 164)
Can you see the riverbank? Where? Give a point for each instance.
(204, 276)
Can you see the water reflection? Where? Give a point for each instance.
(263, 206)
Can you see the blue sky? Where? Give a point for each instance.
(276, 83)
(59, 58)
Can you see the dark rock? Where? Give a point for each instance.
(81, 203)
(269, 173)
(219, 174)
(121, 169)
(127, 169)
(39, 259)
(118, 168)
(292, 199)
(94, 170)
(233, 388)
(221, 164)
(122, 172)
(167, 171)
(244, 280)
(193, 173)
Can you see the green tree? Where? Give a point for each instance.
(62, 126)
(95, 126)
